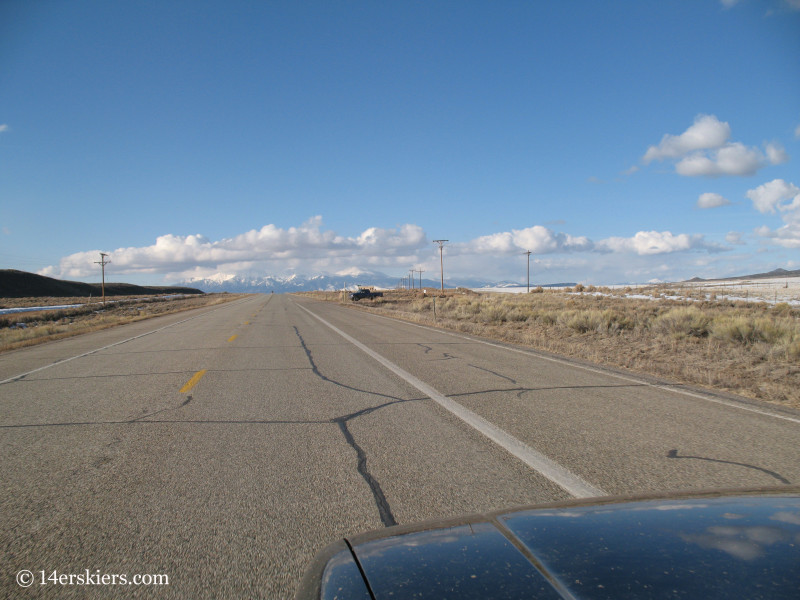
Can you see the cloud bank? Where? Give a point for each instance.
(175, 255)
(310, 248)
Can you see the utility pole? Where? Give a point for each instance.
(103, 262)
(441, 259)
(411, 277)
(420, 271)
(529, 270)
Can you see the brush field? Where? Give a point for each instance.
(689, 336)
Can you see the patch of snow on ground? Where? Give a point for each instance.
(11, 311)
(771, 291)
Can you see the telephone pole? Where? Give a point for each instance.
(411, 279)
(103, 262)
(441, 259)
(529, 269)
(420, 271)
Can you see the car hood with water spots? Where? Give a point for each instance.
(697, 545)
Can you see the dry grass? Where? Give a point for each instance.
(18, 330)
(751, 349)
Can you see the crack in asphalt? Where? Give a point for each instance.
(524, 390)
(674, 454)
(166, 409)
(317, 372)
(310, 357)
(384, 509)
(495, 373)
(448, 356)
(382, 504)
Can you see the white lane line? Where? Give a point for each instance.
(96, 350)
(567, 480)
(627, 378)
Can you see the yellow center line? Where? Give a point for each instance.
(233, 337)
(191, 383)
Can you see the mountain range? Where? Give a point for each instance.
(303, 283)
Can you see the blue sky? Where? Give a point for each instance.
(620, 141)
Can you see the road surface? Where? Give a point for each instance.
(224, 446)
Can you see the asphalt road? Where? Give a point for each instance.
(223, 447)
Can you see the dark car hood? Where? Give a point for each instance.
(708, 545)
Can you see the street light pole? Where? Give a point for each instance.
(441, 258)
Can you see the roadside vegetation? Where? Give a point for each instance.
(751, 349)
(18, 330)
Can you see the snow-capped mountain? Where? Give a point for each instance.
(304, 283)
(268, 283)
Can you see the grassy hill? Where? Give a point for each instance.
(20, 284)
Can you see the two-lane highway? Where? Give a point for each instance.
(223, 447)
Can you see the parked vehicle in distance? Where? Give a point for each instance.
(365, 293)
(740, 544)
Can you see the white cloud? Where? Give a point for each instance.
(537, 239)
(787, 236)
(706, 132)
(631, 170)
(655, 242)
(776, 154)
(711, 200)
(731, 159)
(797, 132)
(782, 197)
(775, 195)
(3, 128)
(735, 238)
(729, 3)
(703, 150)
